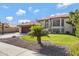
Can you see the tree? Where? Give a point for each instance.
(77, 30)
(74, 19)
(38, 31)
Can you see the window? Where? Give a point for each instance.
(46, 24)
(51, 22)
(56, 22)
(62, 30)
(62, 22)
(56, 30)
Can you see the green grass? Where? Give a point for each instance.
(74, 50)
(61, 39)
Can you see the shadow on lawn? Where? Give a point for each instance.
(53, 51)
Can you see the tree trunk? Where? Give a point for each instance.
(39, 40)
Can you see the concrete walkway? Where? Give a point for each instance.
(10, 35)
(10, 50)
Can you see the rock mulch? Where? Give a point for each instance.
(48, 48)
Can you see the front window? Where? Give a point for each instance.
(46, 24)
(56, 30)
(62, 22)
(56, 22)
(50, 22)
(62, 30)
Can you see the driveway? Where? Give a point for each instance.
(10, 50)
(10, 35)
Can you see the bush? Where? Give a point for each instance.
(67, 32)
(44, 32)
(77, 30)
(74, 50)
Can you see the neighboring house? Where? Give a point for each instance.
(8, 28)
(25, 27)
(57, 24)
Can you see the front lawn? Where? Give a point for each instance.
(63, 39)
(60, 39)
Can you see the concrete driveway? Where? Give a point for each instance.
(10, 35)
(10, 50)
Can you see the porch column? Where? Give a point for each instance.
(44, 24)
(52, 25)
(49, 24)
(60, 25)
(20, 29)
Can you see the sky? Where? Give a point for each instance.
(16, 13)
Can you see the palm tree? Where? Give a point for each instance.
(38, 31)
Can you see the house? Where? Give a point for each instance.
(25, 27)
(57, 24)
(8, 28)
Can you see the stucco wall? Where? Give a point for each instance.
(67, 27)
(9, 30)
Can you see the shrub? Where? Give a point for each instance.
(77, 30)
(74, 50)
(67, 32)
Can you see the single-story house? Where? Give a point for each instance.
(57, 24)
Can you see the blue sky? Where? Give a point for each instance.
(16, 13)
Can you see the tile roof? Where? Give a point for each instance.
(29, 23)
(55, 16)
(60, 15)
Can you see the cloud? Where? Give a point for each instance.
(33, 10)
(9, 18)
(30, 8)
(23, 20)
(52, 15)
(58, 14)
(36, 11)
(21, 12)
(62, 5)
(4, 6)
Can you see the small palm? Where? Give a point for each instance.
(38, 31)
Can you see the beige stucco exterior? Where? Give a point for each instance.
(8, 28)
(60, 28)
(67, 27)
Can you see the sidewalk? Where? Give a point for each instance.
(10, 35)
(10, 50)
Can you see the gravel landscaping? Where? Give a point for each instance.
(48, 49)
